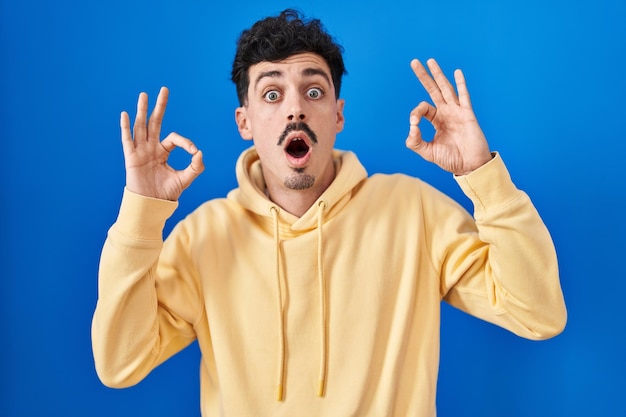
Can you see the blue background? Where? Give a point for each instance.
(548, 86)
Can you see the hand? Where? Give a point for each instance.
(459, 145)
(145, 155)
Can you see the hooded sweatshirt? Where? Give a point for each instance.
(335, 313)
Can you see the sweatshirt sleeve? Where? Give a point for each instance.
(137, 324)
(508, 275)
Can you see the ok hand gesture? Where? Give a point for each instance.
(145, 155)
(459, 145)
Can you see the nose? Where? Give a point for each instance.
(296, 109)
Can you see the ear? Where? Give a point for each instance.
(340, 119)
(243, 124)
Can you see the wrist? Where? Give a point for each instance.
(481, 161)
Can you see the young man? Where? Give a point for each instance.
(313, 289)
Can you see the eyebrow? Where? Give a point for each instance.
(307, 72)
(271, 74)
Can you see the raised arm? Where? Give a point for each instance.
(145, 155)
(142, 316)
(459, 145)
(502, 267)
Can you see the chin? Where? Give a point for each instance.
(299, 182)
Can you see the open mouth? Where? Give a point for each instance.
(297, 148)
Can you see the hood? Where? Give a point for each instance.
(251, 191)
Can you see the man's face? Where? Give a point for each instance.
(293, 117)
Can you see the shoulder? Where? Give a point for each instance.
(211, 217)
(405, 193)
(215, 210)
(398, 185)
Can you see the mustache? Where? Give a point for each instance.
(301, 126)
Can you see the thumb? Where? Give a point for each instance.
(193, 170)
(416, 143)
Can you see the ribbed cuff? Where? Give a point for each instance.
(143, 217)
(489, 187)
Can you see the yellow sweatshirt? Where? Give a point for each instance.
(336, 313)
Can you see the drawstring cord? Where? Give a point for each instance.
(322, 299)
(322, 295)
(281, 314)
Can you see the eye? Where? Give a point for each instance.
(315, 93)
(271, 96)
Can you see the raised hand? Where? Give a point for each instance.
(145, 155)
(459, 145)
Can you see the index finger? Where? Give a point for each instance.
(427, 81)
(156, 118)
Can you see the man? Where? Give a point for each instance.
(313, 289)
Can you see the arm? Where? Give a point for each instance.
(144, 315)
(502, 267)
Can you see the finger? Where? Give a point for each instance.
(416, 143)
(427, 82)
(156, 118)
(127, 140)
(415, 136)
(415, 140)
(139, 128)
(195, 168)
(464, 98)
(447, 90)
(174, 140)
(424, 109)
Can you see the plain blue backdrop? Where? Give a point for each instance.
(548, 86)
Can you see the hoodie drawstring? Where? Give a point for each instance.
(322, 294)
(322, 300)
(281, 313)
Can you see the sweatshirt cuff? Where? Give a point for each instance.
(489, 187)
(143, 217)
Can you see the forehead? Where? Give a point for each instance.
(300, 65)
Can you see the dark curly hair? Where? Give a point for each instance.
(276, 38)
